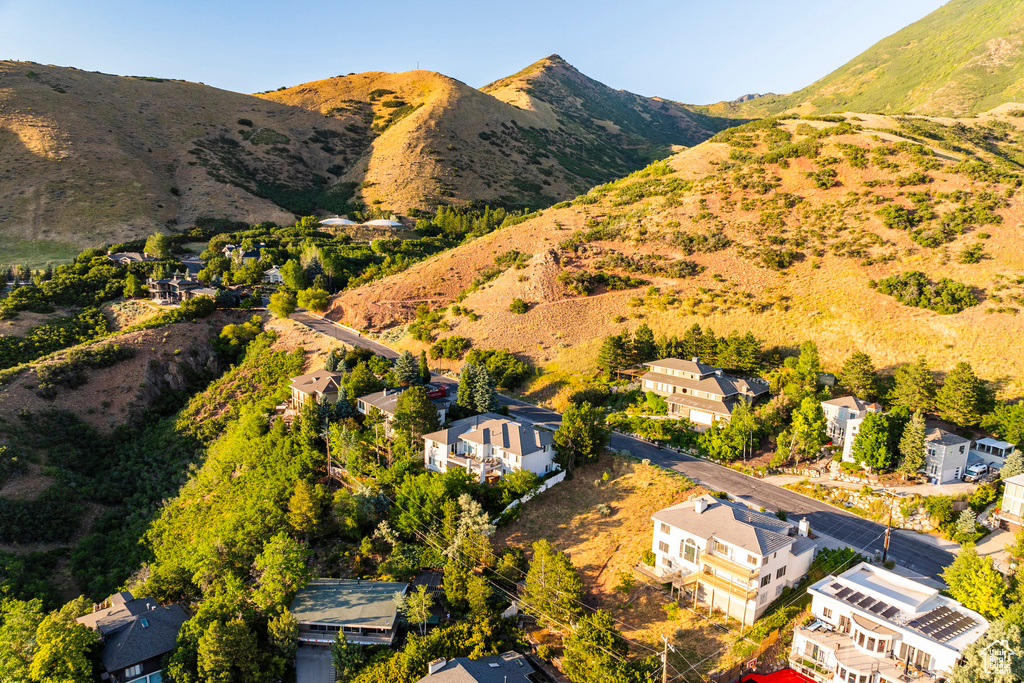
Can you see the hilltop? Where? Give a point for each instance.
(544, 134)
(88, 158)
(773, 228)
(964, 58)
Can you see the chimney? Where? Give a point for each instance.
(695, 359)
(436, 665)
(700, 505)
(804, 528)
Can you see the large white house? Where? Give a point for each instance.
(727, 556)
(945, 456)
(490, 446)
(701, 393)
(875, 626)
(1011, 510)
(839, 412)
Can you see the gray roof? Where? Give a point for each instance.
(457, 428)
(387, 401)
(717, 407)
(944, 438)
(694, 365)
(348, 602)
(134, 630)
(802, 544)
(509, 667)
(511, 437)
(723, 385)
(729, 522)
(853, 403)
(1017, 480)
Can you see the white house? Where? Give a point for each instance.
(839, 412)
(727, 556)
(273, 276)
(491, 446)
(945, 456)
(1011, 510)
(992, 452)
(701, 393)
(875, 626)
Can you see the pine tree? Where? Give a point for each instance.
(959, 399)
(415, 413)
(332, 361)
(304, 509)
(614, 353)
(484, 395)
(859, 376)
(912, 448)
(553, 591)
(707, 347)
(407, 370)
(914, 386)
(424, 368)
(467, 385)
(1013, 465)
(643, 346)
(966, 523)
(346, 657)
(808, 366)
(691, 341)
(344, 409)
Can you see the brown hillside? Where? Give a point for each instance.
(89, 158)
(532, 139)
(772, 251)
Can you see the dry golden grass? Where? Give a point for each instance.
(602, 548)
(823, 298)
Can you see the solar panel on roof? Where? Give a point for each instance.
(866, 602)
(878, 607)
(890, 613)
(843, 593)
(835, 586)
(855, 598)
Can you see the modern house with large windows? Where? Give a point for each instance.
(386, 402)
(698, 392)
(1011, 510)
(872, 625)
(945, 456)
(840, 412)
(727, 556)
(490, 446)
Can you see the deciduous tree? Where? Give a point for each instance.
(871, 445)
(280, 571)
(282, 304)
(62, 652)
(314, 299)
(581, 437)
(975, 582)
(158, 245)
(415, 413)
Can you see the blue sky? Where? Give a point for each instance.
(696, 52)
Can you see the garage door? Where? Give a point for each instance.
(700, 417)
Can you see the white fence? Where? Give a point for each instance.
(543, 487)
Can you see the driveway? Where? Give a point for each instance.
(868, 537)
(313, 664)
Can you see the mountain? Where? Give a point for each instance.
(541, 135)
(781, 228)
(964, 58)
(88, 158)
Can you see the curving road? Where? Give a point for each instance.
(920, 557)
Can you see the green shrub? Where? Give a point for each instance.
(518, 306)
(915, 289)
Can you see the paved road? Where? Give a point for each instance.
(913, 553)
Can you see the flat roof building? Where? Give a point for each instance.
(365, 611)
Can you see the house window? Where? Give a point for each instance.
(763, 599)
(663, 547)
(860, 639)
(779, 574)
(132, 671)
(752, 559)
(690, 551)
(766, 580)
(881, 645)
(665, 529)
(721, 549)
(871, 644)
(827, 612)
(778, 590)
(667, 562)
(842, 673)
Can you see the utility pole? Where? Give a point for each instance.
(664, 660)
(888, 532)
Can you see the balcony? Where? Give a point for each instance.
(843, 652)
(723, 565)
(743, 592)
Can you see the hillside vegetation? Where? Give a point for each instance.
(963, 58)
(89, 158)
(786, 228)
(541, 135)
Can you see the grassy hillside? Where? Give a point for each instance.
(89, 158)
(544, 134)
(773, 228)
(963, 58)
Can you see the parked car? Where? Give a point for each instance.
(975, 472)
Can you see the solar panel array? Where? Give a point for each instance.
(943, 624)
(857, 599)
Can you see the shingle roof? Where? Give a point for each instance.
(730, 522)
(134, 630)
(853, 403)
(694, 366)
(459, 427)
(944, 438)
(723, 408)
(317, 381)
(387, 401)
(722, 385)
(510, 667)
(348, 602)
(509, 436)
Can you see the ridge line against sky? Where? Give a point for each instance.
(694, 52)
